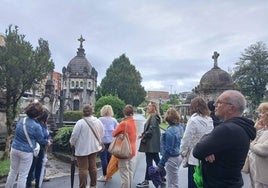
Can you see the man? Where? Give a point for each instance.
(86, 140)
(224, 150)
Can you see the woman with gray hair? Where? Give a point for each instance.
(109, 125)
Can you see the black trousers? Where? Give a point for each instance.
(35, 169)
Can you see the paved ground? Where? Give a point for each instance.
(59, 172)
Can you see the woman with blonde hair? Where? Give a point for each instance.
(150, 140)
(199, 124)
(109, 125)
(258, 154)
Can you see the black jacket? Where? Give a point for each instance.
(229, 143)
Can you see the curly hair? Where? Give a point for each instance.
(34, 109)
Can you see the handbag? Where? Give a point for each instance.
(120, 147)
(37, 147)
(198, 177)
(90, 126)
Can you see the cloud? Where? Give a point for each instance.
(169, 42)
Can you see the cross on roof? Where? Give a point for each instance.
(215, 57)
(81, 39)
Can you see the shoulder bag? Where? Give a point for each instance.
(37, 148)
(90, 126)
(120, 147)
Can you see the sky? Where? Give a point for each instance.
(169, 42)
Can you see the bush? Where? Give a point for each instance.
(116, 103)
(72, 115)
(61, 140)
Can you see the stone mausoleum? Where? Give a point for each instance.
(79, 81)
(214, 82)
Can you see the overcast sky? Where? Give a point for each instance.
(170, 42)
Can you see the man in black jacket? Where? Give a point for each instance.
(224, 150)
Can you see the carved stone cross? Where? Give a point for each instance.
(215, 57)
(81, 41)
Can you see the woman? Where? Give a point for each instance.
(126, 165)
(150, 140)
(170, 148)
(21, 154)
(37, 169)
(199, 124)
(87, 146)
(258, 155)
(109, 124)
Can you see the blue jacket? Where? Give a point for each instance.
(170, 143)
(35, 133)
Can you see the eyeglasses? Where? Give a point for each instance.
(221, 102)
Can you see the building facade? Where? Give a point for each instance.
(79, 81)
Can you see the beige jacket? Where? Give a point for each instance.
(259, 151)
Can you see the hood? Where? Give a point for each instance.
(246, 124)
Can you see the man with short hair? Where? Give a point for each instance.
(224, 150)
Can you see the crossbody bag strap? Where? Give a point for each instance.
(26, 133)
(90, 126)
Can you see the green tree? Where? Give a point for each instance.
(21, 68)
(124, 80)
(116, 103)
(251, 73)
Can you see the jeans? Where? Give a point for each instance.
(105, 157)
(172, 167)
(87, 164)
(126, 172)
(20, 164)
(150, 157)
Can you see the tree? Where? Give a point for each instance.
(124, 80)
(20, 69)
(251, 73)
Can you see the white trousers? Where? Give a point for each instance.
(20, 163)
(172, 168)
(126, 172)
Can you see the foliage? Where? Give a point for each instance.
(251, 73)
(21, 68)
(116, 103)
(72, 115)
(5, 164)
(124, 80)
(62, 138)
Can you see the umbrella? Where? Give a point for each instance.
(112, 167)
(72, 168)
(155, 176)
(198, 178)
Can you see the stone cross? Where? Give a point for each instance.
(215, 57)
(81, 41)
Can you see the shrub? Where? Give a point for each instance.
(116, 103)
(61, 139)
(72, 115)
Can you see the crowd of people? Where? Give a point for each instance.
(216, 137)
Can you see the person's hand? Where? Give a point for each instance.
(158, 169)
(210, 158)
(48, 143)
(139, 137)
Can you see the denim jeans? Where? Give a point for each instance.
(105, 157)
(20, 164)
(87, 164)
(150, 157)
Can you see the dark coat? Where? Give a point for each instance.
(150, 142)
(229, 143)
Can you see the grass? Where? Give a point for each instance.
(164, 126)
(4, 166)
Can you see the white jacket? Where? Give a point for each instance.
(83, 139)
(197, 126)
